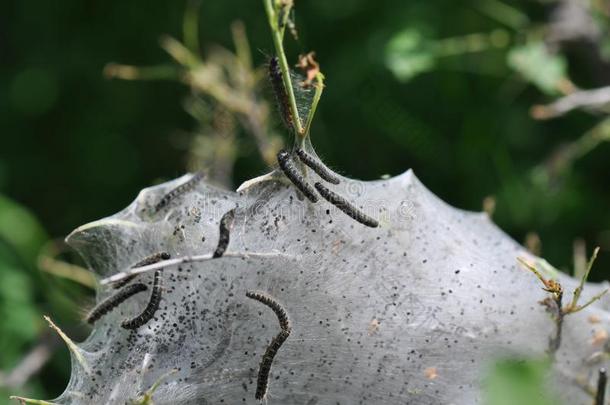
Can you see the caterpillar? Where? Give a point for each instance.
(281, 97)
(294, 176)
(226, 222)
(152, 259)
(262, 381)
(317, 167)
(114, 301)
(151, 307)
(602, 381)
(341, 203)
(178, 191)
(280, 312)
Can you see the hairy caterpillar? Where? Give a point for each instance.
(226, 222)
(152, 259)
(294, 176)
(317, 167)
(277, 83)
(280, 312)
(262, 381)
(114, 301)
(341, 203)
(178, 191)
(151, 307)
(264, 369)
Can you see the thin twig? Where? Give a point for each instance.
(32, 401)
(190, 25)
(314, 104)
(554, 303)
(595, 99)
(242, 46)
(179, 52)
(74, 349)
(128, 72)
(591, 301)
(187, 259)
(578, 290)
(48, 262)
(565, 156)
(147, 397)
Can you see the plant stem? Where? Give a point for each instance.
(279, 48)
(128, 72)
(24, 400)
(314, 104)
(242, 47)
(578, 290)
(147, 398)
(179, 52)
(471, 43)
(74, 349)
(503, 13)
(190, 26)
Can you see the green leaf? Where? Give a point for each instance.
(21, 229)
(538, 66)
(20, 318)
(520, 382)
(408, 54)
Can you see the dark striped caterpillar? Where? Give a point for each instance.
(224, 234)
(152, 259)
(281, 96)
(317, 167)
(280, 312)
(151, 307)
(114, 301)
(178, 191)
(264, 369)
(287, 166)
(341, 203)
(602, 381)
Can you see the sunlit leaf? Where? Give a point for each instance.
(21, 229)
(538, 66)
(20, 318)
(408, 55)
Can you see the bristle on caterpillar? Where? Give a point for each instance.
(281, 96)
(287, 166)
(341, 203)
(602, 381)
(152, 259)
(151, 307)
(317, 166)
(224, 234)
(262, 382)
(178, 191)
(114, 301)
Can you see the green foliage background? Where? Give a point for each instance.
(77, 147)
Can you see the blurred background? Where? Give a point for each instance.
(495, 105)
